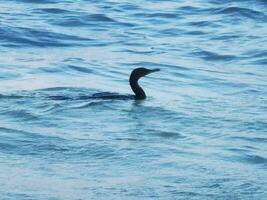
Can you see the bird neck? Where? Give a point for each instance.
(138, 91)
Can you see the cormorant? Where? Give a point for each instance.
(133, 80)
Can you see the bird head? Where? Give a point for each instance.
(140, 72)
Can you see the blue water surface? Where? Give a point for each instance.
(200, 134)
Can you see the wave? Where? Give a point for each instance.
(29, 37)
(209, 55)
(37, 2)
(242, 12)
(14, 141)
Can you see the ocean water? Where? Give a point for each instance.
(200, 134)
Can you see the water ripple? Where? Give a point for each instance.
(28, 37)
(203, 120)
(214, 56)
(243, 12)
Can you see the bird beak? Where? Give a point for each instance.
(153, 70)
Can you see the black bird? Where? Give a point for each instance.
(133, 80)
